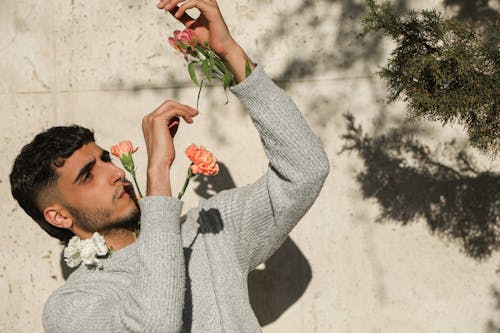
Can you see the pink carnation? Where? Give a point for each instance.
(187, 37)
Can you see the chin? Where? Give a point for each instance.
(130, 221)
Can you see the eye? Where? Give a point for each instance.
(87, 177)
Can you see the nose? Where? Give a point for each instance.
(117, 174)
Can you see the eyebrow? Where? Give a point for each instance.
(85, 170)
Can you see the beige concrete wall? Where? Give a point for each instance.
(388, 246)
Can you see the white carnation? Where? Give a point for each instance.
(88, 252)
(72, 252)
(100, 244)
(85, 251)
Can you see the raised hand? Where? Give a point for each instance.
(210, 27)
(158, 128)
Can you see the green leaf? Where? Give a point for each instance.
(206, 70)
(202, 50)
(211, 61)
(192, 73)
(183, 46)
(248, 69)
(227, 79)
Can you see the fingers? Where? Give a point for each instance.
(184, 19)
(203, 5)
(169, 4)
(162, 123)
(169, 110)
(179, 12)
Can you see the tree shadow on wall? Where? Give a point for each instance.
(286, 274)
(313, 22)
(475, 11)
(459, 202)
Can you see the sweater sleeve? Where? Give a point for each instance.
(257, 218)
(154, 300)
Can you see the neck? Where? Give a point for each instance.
(117, 239)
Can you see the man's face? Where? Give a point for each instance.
(94, 191)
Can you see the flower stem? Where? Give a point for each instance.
(137, 185)
(186, 182)
(199, 93)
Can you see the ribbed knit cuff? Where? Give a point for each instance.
(250, 86)
(160, 213)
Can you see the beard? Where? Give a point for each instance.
(98, 219)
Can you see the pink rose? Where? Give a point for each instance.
(123, 148)
(185, 37)
(204, 162)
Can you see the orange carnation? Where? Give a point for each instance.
(124, 147)
(204, 162)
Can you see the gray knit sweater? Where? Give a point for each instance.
(189, 273)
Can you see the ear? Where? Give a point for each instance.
(58, 216)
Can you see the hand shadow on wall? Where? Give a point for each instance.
(285, 275)
(459, 203)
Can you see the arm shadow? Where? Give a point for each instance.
(281, 282)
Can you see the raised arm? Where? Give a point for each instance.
(257, 218)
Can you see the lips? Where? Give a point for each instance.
(122, 193)
(125, 190)
(129, 189)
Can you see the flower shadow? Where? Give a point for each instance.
(208, 186)
(458, 202)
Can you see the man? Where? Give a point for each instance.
(182, 273)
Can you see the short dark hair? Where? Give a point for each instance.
(34, 169)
